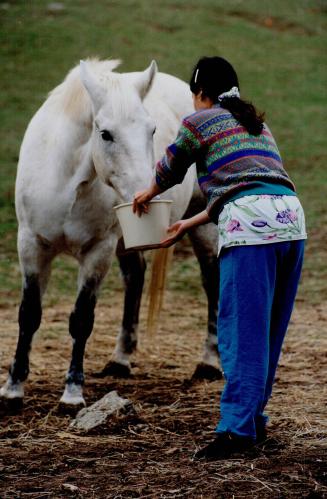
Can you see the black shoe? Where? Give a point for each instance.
(224, 446)
(266, 442)
(261, 435)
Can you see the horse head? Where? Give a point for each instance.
(122, 136)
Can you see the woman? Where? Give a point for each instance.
(261, 233)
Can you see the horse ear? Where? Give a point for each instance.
(95, 91)
(144, 82)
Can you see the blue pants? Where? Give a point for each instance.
(257, 292)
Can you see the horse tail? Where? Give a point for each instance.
(160, 265)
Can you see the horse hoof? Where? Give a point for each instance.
(206, 372)
(116, 370)
(11, 406)
(69, 409)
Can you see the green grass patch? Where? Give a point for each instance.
(277, 47)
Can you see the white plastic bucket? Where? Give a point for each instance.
(146, 231)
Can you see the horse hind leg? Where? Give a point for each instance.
(132, 266)
(36, 265)
(94, 267)
(203, 239)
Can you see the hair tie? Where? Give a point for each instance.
(233, 92)
(196, 75)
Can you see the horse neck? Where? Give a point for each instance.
(69, 111)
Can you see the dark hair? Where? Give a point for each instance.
(214, 76)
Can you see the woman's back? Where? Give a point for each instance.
(227, 156)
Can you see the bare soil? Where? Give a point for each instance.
(150, 455)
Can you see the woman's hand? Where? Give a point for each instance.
(177, 231)
(141, 202)
(142, 198)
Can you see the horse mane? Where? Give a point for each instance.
(71, 98)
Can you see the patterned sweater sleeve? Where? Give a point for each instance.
(179, 156)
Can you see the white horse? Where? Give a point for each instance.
(92, 145)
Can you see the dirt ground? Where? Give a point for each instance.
(150, 455)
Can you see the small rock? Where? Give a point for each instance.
(70, 487)
(98, 413)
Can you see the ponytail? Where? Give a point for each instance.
(215, 76)
(245, 113)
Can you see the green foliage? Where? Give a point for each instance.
(277, 47)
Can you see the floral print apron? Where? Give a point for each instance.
(261, 219)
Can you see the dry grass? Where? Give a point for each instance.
(151, 455)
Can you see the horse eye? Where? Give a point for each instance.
(154, 130)
(106, 136)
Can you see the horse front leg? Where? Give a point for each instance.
(93, 268)
(132, 266)
(35, 260)
(204, 242)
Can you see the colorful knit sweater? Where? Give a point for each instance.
(228, 159)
